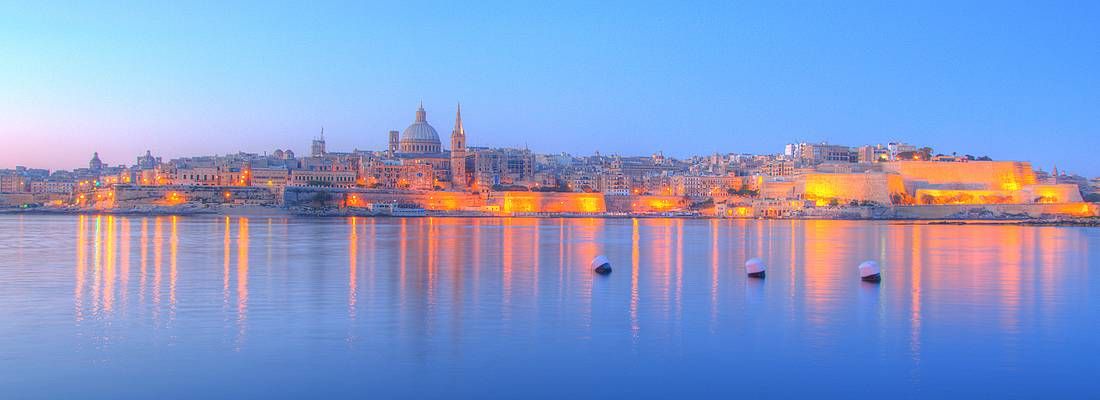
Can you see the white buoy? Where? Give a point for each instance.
(869, 272)
(755, 268)
(601, 265)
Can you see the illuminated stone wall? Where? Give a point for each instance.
(127, 196)
(645, 204)
(495, 202)
(332, 197)
(949, 196)
(1059, 193)
(1049, 194)
(776, 190)
(822, 188)
(973, 175)
(549, 202)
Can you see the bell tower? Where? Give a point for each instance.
(458, 152)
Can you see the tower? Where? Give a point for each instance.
(458, 152)
(395, 139)
(318, 147)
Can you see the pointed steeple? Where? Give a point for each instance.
(458, 122)
(458, 152)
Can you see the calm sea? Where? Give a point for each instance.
(211, 307)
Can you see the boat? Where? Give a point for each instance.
(398, 209)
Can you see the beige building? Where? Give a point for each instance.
(412, 176)
(697, 186)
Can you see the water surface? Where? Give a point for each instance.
(208, 307)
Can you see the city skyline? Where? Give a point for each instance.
(304, 149)
(997, 80)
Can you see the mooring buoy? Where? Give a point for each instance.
(601, 265)
(755, 268)
(869, 272)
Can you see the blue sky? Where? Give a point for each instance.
(1008, 80)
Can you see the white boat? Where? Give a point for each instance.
(397, 209)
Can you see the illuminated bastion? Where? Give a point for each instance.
(824, 188)
(973, 175)
(935, 183)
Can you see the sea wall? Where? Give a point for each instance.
(339, 198)
(129, 196)
(549, 202)
(991, 211)
(16, 199)
(493, 202)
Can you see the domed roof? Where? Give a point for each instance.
(420, 130)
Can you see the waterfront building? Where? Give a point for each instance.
(394, 174)
(321, 178)
(196, 176)
(270, 177)
(502, 166)
(582, 180)
(50, 186)
(327, 171)
(12, 183)
(703, 186)
(614, 183)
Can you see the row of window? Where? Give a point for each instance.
(324, 178)
(420, 148)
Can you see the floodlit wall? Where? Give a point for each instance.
(1059, 193)
(550, 202)
(876, 187)
(362, 198)
(1049, 194)
(645, 204)
(777, 190)
(973, 175)
(504, 202)
(124, 196)
(938, 196)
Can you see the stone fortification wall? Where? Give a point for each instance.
(126, 196)
(976, 175)
(876, 187)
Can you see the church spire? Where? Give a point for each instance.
(458, 152)
(458, 122)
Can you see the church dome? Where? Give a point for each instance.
(420, 137)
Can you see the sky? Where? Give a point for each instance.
(1011, 80)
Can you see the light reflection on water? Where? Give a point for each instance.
(431, 307)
